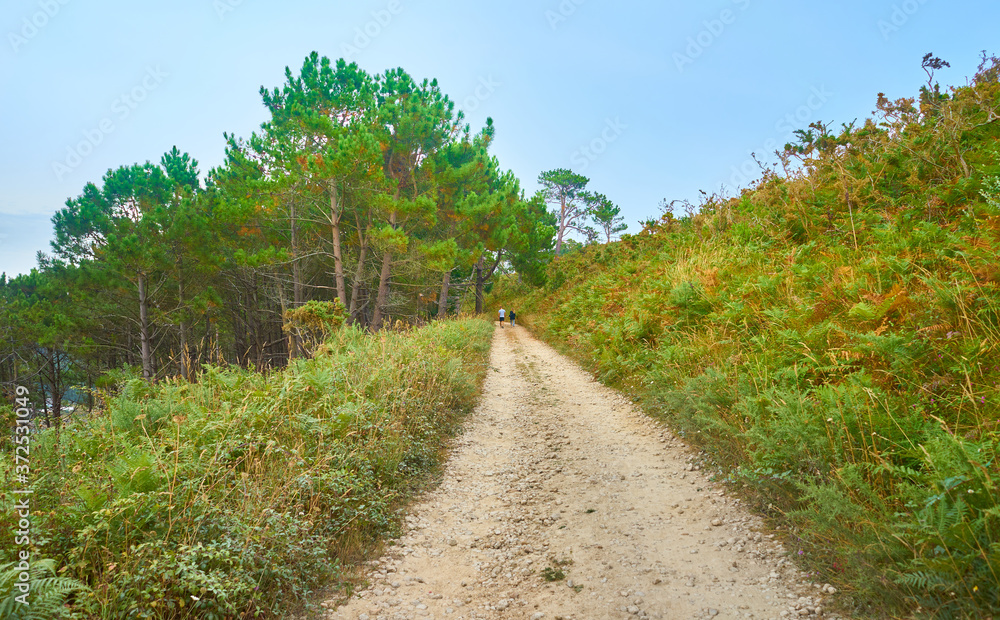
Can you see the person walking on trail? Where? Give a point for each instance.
(512, 317)
(501, 318)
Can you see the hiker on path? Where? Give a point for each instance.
(512, 317)
(501, 318)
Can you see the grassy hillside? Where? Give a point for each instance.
(831, 338)
(239, 495)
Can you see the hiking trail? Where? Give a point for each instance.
(556, 475)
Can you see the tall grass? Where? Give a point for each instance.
(241, 494)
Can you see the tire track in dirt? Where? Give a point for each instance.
(558, 475)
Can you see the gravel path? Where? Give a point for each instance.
(559, 476)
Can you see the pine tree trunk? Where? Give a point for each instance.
(45, 402)
(338, 259)
(297, 297)
(479, 285)
(293, 350)
(383, 291)
(443, 299)
(57, 390)
(147, 363)
(562, 223)
(383, 282)
(185, 360)
(219, 358)
(257, 325)
(358, 274)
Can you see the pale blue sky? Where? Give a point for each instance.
(649, 100)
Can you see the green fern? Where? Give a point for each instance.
(46, 596)
(956, 535)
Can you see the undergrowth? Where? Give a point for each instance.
(240, 495)
(831, 338)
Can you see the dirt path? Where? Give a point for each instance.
(557, 475)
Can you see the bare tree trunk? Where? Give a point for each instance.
(338, 258)
(383, 291)
(479, 285)
(383, 283)
(57, 388)
(185, 361)
(45, 403)
(358, 273)
(147, 365)
(219, 359)
(293, 348)
(297, 297)
(257, 324)
(562, 223)
(443, 299)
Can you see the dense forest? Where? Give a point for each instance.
(830, 339)
(366, 197)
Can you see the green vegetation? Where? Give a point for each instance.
(170, 479)
(831, 338)
(241, 494)
(47, 595)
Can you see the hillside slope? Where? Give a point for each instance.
(831, 338)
